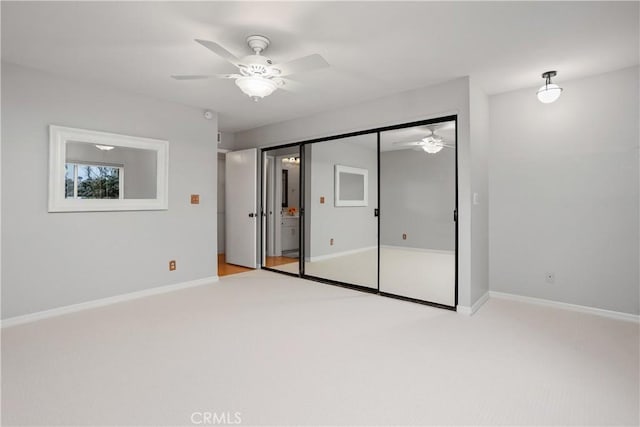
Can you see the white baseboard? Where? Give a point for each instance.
(468, 311)
(339, 254)
(408, 248)
(39, 315)
(581, 308)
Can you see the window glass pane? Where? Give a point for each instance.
(68, 180)
(98, 182)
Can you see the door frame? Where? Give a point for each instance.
(301, 219)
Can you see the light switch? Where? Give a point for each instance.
(476, 198)
(322, 200)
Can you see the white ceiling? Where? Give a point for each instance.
(374, 49)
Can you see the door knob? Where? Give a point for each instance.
(251, 215)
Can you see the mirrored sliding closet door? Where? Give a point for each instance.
(417, 204)
(281, 209)
(341, 199)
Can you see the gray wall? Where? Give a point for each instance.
(450, 97)
(564, 193)
(51, 260)
(418, 196)
(227, 141)
(139, 166)
(351, 227)
(480, 135)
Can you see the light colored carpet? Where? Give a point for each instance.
(420, 274)
(280, 350)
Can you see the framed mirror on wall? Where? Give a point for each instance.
(99, 171)
(351, 186)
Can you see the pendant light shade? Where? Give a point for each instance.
(549, 92)
(432, 145)
(256, 87)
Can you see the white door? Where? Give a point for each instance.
(241, 210)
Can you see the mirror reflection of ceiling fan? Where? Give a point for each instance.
(431, 143)
(258, 76)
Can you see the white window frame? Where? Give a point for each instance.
(59, 136)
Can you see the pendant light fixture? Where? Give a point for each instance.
(549, 92)
(432, 144)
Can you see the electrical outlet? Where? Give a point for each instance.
(172, 265)
(195, 199)
(550, 277)
(322, 200)
(331, 242)
(404, 236)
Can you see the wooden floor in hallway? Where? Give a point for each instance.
(225, 269)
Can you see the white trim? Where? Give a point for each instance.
(58, 138)
(339, 254)
(574, 307)
(407, 248)
(54, 312)
(468, 311)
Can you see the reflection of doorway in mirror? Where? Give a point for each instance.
(282, 192)
(289, 229)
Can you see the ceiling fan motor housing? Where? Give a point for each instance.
(258, 43)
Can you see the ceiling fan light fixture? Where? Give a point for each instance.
(549, 92)
(256, 87)
(433, 147)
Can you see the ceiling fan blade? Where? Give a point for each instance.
(220, 51)
(306, 63)
(227, 76)
(408, 144)
(195, 77)
(289, 85)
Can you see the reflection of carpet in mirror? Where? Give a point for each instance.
(415, 273)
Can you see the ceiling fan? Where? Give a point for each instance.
(257, 76)
(431, 143)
